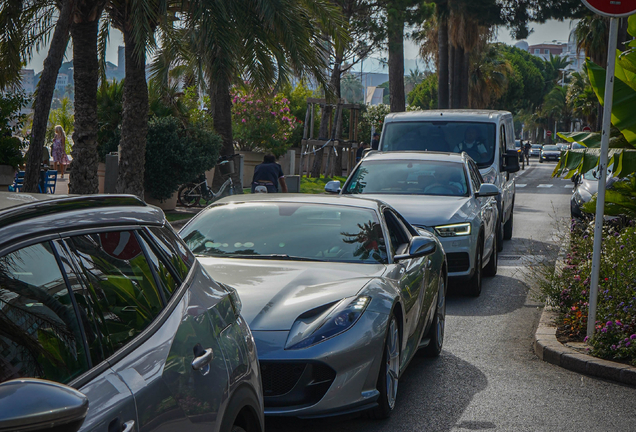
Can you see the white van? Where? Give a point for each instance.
(486, 136)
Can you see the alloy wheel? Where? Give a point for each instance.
(392, 363)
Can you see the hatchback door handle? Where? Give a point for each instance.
(203, 360)
(128, 426)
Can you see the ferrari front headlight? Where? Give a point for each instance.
(453, 230)
(310, 329)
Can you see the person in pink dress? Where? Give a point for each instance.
(60, 160)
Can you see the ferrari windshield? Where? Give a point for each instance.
(408, 177)
(475, 138)
(288, 231)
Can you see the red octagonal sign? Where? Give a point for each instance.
(612, 8)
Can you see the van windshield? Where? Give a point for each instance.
(475, 138)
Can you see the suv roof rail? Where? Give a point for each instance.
(42, 208)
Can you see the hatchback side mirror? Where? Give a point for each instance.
(419, 247)
(487, 190)
(333, 187)
(37, 406)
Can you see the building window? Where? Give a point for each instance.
(546, 51)
(537, 51)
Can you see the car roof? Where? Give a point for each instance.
(450, 115)
(29, 215)
(416, 155)
(327, 199)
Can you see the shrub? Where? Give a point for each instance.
(262, 124)
(373, 116)
(568, 289)
(10, 153)
(11, 121)
(176, 154)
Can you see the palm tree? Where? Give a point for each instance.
(592, 33)
(84, 30)
(351, 89)
(35, 25)
(556, 106)
(413, 79)
(488, 78)
(262, 43)
(581, 98)
(137, 20)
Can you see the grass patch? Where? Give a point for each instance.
(317, 185)
(177, 216)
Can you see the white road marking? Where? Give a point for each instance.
(545, 186)
(521, 185)
(568, 186)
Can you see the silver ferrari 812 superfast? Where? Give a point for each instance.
(339, 292)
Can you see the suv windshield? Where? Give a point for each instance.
(404, 177)
(288, 231)
(475, 138)
(551, 148)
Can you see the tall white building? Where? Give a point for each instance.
(61, 82)
(567, 49)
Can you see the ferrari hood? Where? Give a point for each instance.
(275, 293)
(427, 210)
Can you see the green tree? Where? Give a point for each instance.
(351, 89)
(489, 77)
(425, 94)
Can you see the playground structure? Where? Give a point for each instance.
(340, 153)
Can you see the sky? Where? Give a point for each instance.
(551, 30)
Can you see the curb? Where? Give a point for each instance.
(549, 349)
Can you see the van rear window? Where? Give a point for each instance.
(478, 139)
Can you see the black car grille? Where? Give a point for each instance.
(295, 383)
(458, 262)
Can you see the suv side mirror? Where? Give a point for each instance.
(511, 161)
(419, 247)
(575, 178)
(333, 187)
(487, 190)
(37, 405)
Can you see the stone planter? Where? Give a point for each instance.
(168, 204)
(7, 175)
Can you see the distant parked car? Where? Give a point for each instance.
(585, 186)
(576, 146)
(563, 146)
(99, 294)
(550, 153)
(535, 150)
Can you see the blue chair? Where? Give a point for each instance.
(50, 179)
(18, 182)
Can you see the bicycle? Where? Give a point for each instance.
(191, 194)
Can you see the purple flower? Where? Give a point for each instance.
(628, 344)
(618, 323)
(632, 337)
(586, 338)
(613, 347)
(622, 247)
(609, 323)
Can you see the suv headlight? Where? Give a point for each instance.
(316, 328)
(453, 230)
(490, 176)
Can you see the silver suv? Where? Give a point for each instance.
(98, 294)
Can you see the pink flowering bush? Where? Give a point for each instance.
(569, 289)
(262, 123)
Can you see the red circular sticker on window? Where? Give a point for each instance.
(121, 245)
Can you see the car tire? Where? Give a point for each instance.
(491, 267)
(540, 159)
(389, 372)
(500, 235)
(474, 284)
(507, 228)
(436, 333)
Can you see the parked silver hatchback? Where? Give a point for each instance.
(100, 298)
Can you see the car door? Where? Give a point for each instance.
(125, 288)
(42, 335)
(506, 183)
(487, 209)
(411, 276)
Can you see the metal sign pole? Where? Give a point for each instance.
(602, 173)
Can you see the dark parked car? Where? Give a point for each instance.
(550, 153)
(98, 294)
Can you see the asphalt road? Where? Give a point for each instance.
(488, 377)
